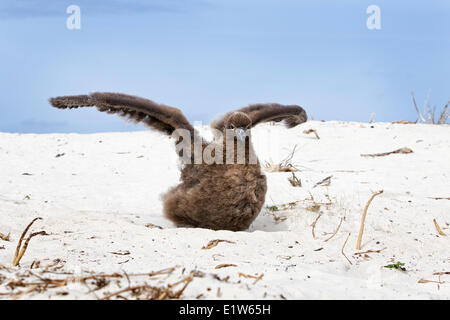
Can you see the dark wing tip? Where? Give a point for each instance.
(296, 119)
(57, 103)
(70, 102)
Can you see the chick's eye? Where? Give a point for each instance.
(231, 126)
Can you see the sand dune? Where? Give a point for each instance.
(97, 193)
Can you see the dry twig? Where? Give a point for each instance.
(214, 243)
(325, 182)
(427, 281)
(35, 264)
(339, 226)
(429, 114)
(404, 122)
(121, 253)
(312, 131)
(4, 238)
(20, 294)
(417, 108)
(100, 281)
(257, 278)
(441, 273)
(444, 114)
(225, 265)
(438, 228)
(20, 251)
(153, 226)
(314, 225)
(369, 251)
(363, 219)
(295, 182)
(342, 251)
(401, 150)
(284, 166)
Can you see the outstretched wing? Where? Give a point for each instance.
(292, 115)
(157, 116)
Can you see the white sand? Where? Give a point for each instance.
(97, 198)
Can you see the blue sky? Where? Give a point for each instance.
(207, 57)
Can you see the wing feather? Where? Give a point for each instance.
(157, 116)
(292, 115)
